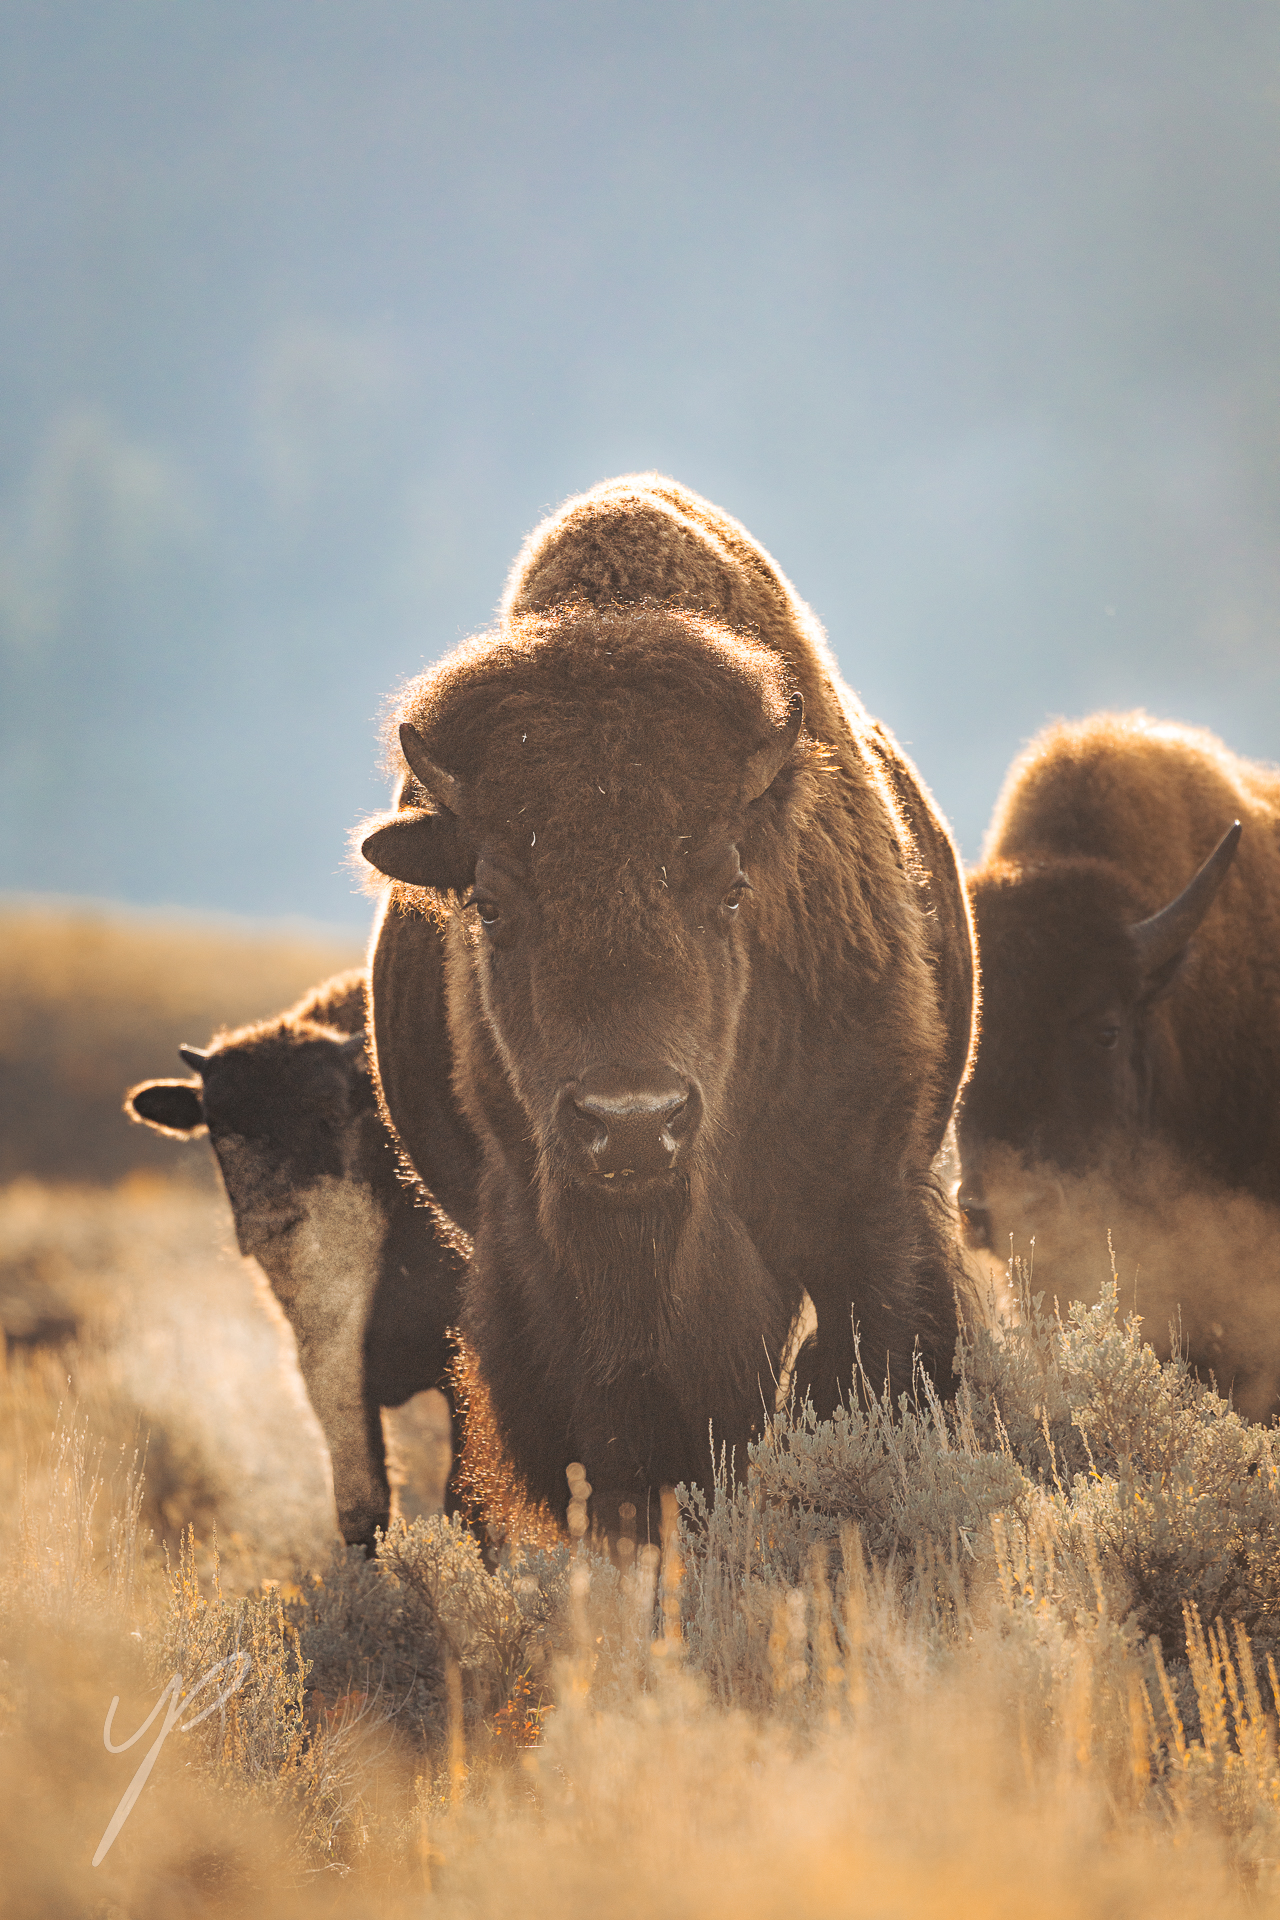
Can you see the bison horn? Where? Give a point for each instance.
(767, 762)
(445, 789)
(195, 1057)
(1161, 938)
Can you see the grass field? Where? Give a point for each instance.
(92, 1000)
(1015, 1655)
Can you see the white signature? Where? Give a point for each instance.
(178, 1704)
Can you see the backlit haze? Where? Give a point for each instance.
(307, 314)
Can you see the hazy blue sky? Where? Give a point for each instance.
(308, 311)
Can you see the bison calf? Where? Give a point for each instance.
(367, 1274)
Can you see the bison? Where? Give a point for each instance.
(366, 1271)
(690, 937)
(1128, 913)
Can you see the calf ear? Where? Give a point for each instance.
(422, 849)
(175, 1107)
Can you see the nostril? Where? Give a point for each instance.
(590, 1122)
(675, 1121)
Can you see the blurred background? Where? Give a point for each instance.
(307, 314)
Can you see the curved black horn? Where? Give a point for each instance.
(443, 787)
(195, 1057)
(767, 762)
(1166, 933)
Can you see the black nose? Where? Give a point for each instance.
(631, 1124)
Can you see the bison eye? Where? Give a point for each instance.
(490, 911)
(1107, 1038)
(733, 899)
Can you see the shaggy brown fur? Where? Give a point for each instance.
(1087, 1057)
(366, 1273)
(603, 776)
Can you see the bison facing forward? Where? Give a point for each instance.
(681, 926)
(1130, 1050)
(367, 1277)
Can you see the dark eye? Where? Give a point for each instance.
(1107, 1038)
(733, 899)
(490, 911)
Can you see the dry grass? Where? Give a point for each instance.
(913, 1664)
(91, 1001)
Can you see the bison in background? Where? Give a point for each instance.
(690, 936)
(1128, 1074)
(366, 1271)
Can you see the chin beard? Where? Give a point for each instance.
(623, 1264)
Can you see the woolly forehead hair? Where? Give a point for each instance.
(256, 1078)
(658, 705)
(1050, 933)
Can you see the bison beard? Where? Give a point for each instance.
(679, 953)
(623, 1267)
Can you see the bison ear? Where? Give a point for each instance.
(1161, 941)
(767, 762)
(422, 849)
(170, 1106)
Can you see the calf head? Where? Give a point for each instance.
(1076, 1052)
(284, 1111)
(601, 793)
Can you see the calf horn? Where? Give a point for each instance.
(1162, 937)
(444, 788)
(767, 762)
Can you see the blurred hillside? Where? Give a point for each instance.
(91, 1001)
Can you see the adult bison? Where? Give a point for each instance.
(1128, 912)
(366, 1271)
(692, 937)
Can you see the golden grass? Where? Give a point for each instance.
(898, 1674)
(91, 1001)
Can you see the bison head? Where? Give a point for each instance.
(599, 795)
(286, 1114)
(1075, 1057)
